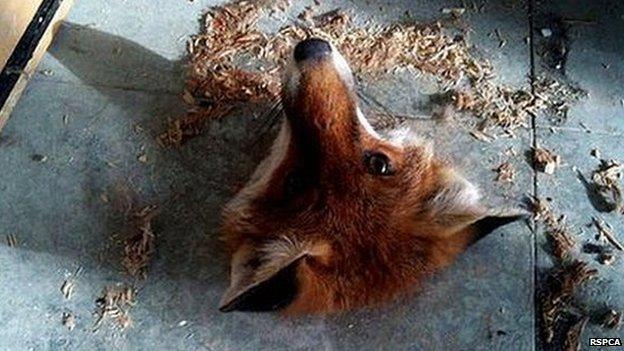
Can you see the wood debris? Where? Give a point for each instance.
(115, 304)
(557, 300)
(604, 231)
(234, 61)
(481, 136)
(67, 288)
(595, 152)
(505, 173)
(455, 11)
(573, 336)
(39, 158)
(69, 284)
(140, 247)
(559, 297)
(555, 97)
(562, 242)
(607, 182)
(612, 319)
(142, 158)
(557, 232)
(69, 320)
(606, 258)
(545, 160)
(11, 240)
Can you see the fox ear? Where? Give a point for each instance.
(492, 220)
(457, 207)
(262, 279)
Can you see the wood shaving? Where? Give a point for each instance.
(115, 304)
(545, 160)
(511, 152)
(604, 231)
(481, 136)
(68, 320)
(567, 274)
(562, 242)
(234, 61)
(455, 11)
(573, 336)
(557, 232)
(67, 288)
(140, 247)
(595, 153)
(555, 97)
(612, 319)
(39, 158)
(607, 181)
(11, 240)
(505, 173)
(606, 258)
(559, 297)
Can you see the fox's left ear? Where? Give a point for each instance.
(493, 219)
(456, 207)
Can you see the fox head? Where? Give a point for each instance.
(338, 217)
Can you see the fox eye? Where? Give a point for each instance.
(294, 184)
(378, 164)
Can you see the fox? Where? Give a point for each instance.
(338, 217)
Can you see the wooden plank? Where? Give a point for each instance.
(15, 16)
(27, 53)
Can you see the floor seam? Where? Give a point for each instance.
(532, 78)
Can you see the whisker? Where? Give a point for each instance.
(391, 119)
(270, 118)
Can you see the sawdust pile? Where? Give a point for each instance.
(556, 302)
(140, 247)
(114, 304)
(234, 61)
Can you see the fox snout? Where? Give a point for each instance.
(311, 48)
(336, 216)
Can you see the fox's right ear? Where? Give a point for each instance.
(256, 287)
(264, 276)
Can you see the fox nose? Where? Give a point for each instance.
(312, 48)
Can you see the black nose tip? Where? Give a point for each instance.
(311, 48)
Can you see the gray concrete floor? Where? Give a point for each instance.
(116, 79)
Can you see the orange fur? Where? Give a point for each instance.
(364, 238)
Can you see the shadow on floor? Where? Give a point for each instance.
(189, 185)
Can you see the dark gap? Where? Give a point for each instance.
(532, 78)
